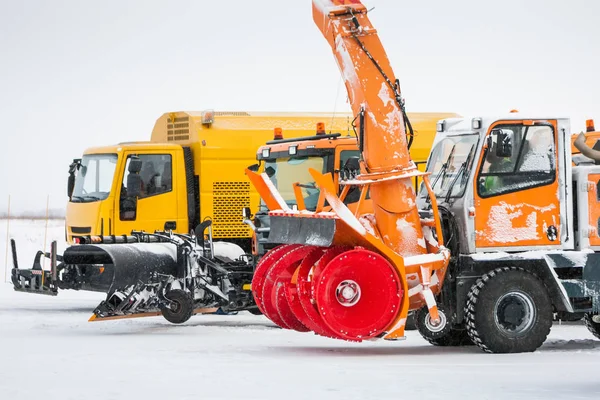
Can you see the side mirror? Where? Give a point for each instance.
(71, 181)
(70, 185)
(134, 185)
(135, 165)
(503, 142)
(254, 167)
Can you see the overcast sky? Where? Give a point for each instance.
(75, 74)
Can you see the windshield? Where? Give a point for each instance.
(449, 164)
(94, 178)
(284, 172)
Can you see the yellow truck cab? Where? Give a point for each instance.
(191, 169)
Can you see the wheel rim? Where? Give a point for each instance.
(515, 313)
(440, 326)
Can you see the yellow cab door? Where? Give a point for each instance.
(516, 190)
(155, 208)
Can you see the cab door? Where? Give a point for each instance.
(516, 187)
(155, 208)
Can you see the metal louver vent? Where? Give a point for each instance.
(178, 129)
(229, 198)
(231, 114)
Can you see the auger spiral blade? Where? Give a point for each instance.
(263, 267)
(358, 294)
(301, 288)
(286, 295)
(307, 273)
(281, 273)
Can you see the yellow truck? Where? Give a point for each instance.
(193, 168)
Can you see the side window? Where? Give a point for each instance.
(345, 155)
(348, 168)
(156, 175)
(531, 162)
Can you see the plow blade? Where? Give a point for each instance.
(297, 230)
(108, 268)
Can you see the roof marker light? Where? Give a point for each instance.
(208, 117)
(320, 128)
(293, 150)
(589, 125)
(277, 134)
(266, 152)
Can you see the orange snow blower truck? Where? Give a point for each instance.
(352, 279)
(504, 236)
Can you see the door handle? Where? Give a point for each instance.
(170, 225)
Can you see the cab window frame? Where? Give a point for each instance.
(515, 187)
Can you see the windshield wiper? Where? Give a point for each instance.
(78, 198)
(442, 171)
(461, 170)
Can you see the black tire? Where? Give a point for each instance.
(254, 311)
(183, 306)
(508, 311)
(593, 327)
(568, 317)
(447, 336)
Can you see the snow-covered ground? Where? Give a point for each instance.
(48, 350)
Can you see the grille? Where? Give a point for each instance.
(229, 198)
(231, 114)
(178, 129)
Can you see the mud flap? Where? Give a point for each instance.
(306, 231)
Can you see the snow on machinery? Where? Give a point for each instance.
(504, 235)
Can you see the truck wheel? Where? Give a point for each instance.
(508, 311)
(440, 336)
(254, 311)
(181, 309)
(592, 326)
